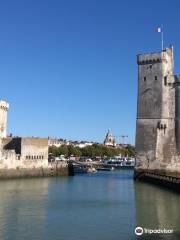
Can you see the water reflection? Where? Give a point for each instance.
(98, 206)
(157, 208)
(23, 208)
(84, 207)
(102, 206)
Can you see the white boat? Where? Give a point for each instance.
(120, 162)
(91, 170)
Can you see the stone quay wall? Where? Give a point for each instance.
(169, 179)
(52, 170)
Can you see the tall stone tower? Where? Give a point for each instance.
(155, 125)
(4, 107)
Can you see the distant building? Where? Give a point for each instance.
(109, 140)
(83, 144)
(18, 152)
(57, 142)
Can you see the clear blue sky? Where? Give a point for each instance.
(68, 67)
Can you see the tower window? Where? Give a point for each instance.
(144, 79)
(165, 80)
(155, 78)
(165, 128)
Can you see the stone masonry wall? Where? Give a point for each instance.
(155, 127)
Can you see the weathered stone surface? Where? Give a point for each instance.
(24, 152)
(158, 113)
(51, 171)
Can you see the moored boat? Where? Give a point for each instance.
(91, 170)
(80, 168)
(105, 168)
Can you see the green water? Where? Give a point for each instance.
(101, 206)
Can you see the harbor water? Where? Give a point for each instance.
(100, 206)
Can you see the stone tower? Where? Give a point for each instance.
(4, 107)
(177, 113)
(155, 125)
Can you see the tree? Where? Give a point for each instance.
(95, 150)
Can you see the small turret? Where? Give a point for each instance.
(4, 107)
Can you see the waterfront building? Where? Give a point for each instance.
(57, 142)
(83, 144)
(158, 113)
(19, 152)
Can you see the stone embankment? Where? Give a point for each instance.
(52, 170)
(162, 178)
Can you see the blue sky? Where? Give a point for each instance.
(68, 68)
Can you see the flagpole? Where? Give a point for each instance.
(162, 38)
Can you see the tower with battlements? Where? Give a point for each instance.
(158, 112)
(4, 107)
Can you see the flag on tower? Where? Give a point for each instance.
(159, 29)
